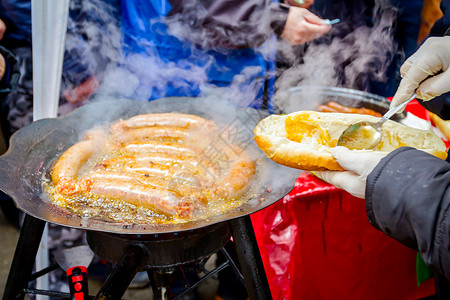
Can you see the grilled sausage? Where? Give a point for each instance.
(168, 173)
(165, 120)
(236, 182)
(66, 168)
(192, 164)
(139, 190)
(156, 147)
(136, 193)
(171, 163)
(174, 134)
(336, 107)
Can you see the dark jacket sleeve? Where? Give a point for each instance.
(11, 76)
(408, 198)
(228, 24)
(440, 26)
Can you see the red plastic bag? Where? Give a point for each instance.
(316, 243)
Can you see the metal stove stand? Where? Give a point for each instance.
(156, 255)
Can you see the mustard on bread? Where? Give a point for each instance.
(304, 139)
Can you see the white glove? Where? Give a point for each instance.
(431, 58)
(359, 165)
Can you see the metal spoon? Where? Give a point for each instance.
(367, 135)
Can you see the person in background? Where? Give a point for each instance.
(211, 43)
(78, 78)
(404, 27)
(9, 75)
(406, 192)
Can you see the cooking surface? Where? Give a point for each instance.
(35, 148)
(153, 169)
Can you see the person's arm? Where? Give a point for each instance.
(242, 23)
(440, 104)
(410, 202)
(84, 63)
(426, 72)
(407, 197)
(9, 71)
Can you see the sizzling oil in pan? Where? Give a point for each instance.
(153, 170)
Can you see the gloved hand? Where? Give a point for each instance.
(432, 57)
(359, 165)
(303, 26)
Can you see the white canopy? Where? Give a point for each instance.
(49, 25)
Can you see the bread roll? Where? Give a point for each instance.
(304, 139)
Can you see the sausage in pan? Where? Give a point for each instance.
(65, 170)
(152, 133)
(236, 182)
(192, 164)
(185, 187)
(165, 120)
(157, 147)
(132, 190)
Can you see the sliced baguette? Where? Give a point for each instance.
(304, 139)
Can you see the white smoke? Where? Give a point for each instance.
(331, 61)
(337, 61)
(95, 39)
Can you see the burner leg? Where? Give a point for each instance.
(123, 273)
(160, 281)
(250, 259)
(24, 257)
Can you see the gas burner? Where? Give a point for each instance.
(163, 250)
(158, 254)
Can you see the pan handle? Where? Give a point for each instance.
(78, 283)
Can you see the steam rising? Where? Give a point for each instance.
(341, 61)
(95, 40)
(95, 37)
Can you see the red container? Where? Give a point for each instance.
(316, 243)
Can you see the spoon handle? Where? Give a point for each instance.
(396, 108)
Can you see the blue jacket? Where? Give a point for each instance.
(219, 47)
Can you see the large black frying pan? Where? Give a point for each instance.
(35, 148)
